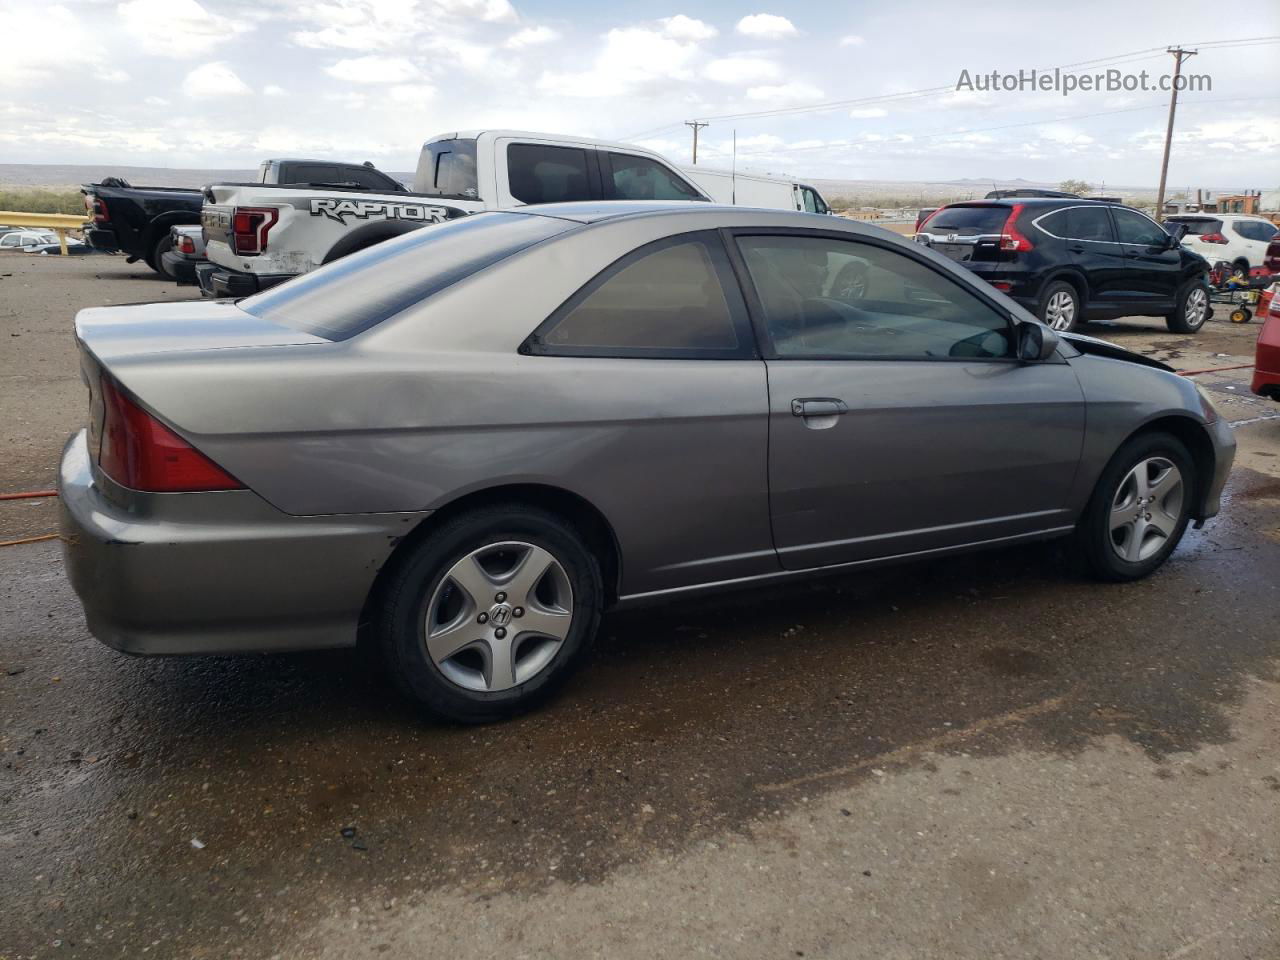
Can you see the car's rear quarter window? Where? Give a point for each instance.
(363, 289)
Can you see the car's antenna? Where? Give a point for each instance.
(733, 174)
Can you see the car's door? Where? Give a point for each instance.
(1253, 237)
(900, 421)
(1090, 242)
(629, 176)
(1153, 266)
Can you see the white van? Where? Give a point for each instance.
(756, 190)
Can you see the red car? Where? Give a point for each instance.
(1266, 364)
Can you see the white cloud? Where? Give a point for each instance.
(111, 75)
(631, 58)
(852, 40)
(868, 113)
(766, 25)
(531, 37)
(412, 93)
(785, 93)
(373, 69)
(741, 70)
(687, 28)
(366, 25)
(1063, 134)
(156, 102)
(271, 90)
(177, 28)
(30, 31)
(214, 80)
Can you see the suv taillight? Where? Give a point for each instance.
(249, 229)
(1213, 238)
(186, 245)
(96, 208)
(140, 452)
(1010, 238)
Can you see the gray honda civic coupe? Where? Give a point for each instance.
(467, 442)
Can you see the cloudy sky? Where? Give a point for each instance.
(225, 83)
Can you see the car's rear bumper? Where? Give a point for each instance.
(182, 269)
(214, 572)
(101, 238)
(216, 281)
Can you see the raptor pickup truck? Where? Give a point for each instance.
(258, 235)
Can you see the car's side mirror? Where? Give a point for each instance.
(1176, 232)
(1036, 342)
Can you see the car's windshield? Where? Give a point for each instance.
(353, 294)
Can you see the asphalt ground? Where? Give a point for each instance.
(982, 757)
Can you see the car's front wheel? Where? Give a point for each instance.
(490, 613)
(1192, 309)
(1060, 306)
(1139, 509)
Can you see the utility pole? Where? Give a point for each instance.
(696, 125)
(1178, 56)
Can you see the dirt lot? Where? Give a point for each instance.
(981, 759)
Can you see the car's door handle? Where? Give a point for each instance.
(818, 407)
(1076, 249)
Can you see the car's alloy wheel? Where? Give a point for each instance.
(499, 616)
(1146, 509)
(1196, 307)
(1060, 306)
(486, 613)
(1139, 510)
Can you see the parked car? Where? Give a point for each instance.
(1266, 364)
(75, 248)
(259, 236)
(26, 240)
(756, 190)
(1073, 260)
(136, 220)
(1235, 238)
(475, 438)
(185, 253)
(1271, 259)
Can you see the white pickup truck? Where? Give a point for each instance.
(259, 234)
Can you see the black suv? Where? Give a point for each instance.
(1069, 259)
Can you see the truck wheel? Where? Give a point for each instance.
(156, 260)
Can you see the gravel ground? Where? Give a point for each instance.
(982, 759)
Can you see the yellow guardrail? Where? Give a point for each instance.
(58, 222)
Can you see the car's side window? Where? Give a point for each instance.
(673, 298)
(544, 174)
(1136, 229)
(1255, 230)
(640, 178)
(1091, 224)
(824, 297)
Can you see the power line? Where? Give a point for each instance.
(1131, 56)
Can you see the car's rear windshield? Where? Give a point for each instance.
(967, 221)
(361, 290)
(1199, 226)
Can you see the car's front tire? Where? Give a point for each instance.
(1060, 306)
(1192, 308)
(490, 613)
(1139, 509)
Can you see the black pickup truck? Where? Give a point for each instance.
(136, 220)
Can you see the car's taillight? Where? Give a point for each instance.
(186, 245)
(96, 208)
(249, 228)
(1010, 238)
(140, 452)
(1004, 286)
(1213, 238)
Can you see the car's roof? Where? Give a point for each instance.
(536, 135)
(1029, 202)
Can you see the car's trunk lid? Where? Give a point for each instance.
(126, 331)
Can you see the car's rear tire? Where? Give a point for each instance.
(1192, 310)
(1060, 306)
(472, 631)
(1139, 509)
(156, 260)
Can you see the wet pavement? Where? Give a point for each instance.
(982, 757)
